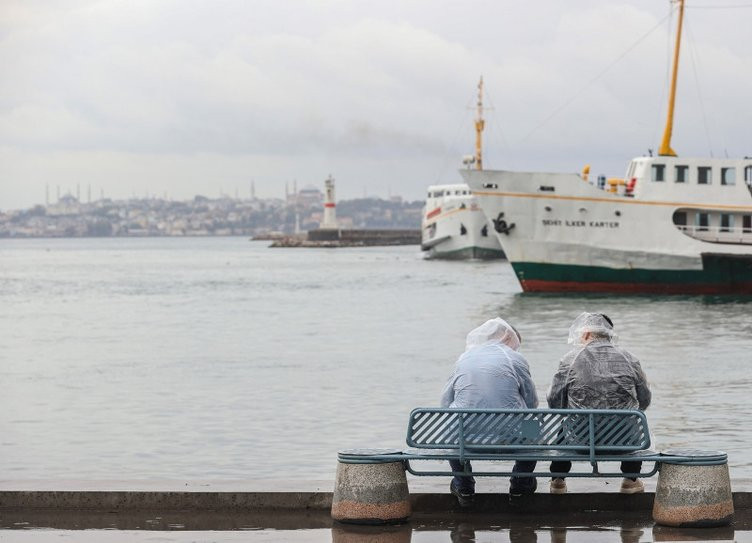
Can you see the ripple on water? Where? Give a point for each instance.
(227, 359)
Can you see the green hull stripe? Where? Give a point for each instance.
(481, 253)
(715, 271)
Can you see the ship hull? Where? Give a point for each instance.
(721, 274)
(562, 234)
(468, 253)
(455, 228)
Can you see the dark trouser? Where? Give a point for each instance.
(562, 466)
(517, 485)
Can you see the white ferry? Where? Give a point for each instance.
(453, 225)
(674, 225)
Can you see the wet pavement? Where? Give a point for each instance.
(624, 527)
(435, 516)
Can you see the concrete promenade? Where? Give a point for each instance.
(280, 505)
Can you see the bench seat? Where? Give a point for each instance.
(595, 436)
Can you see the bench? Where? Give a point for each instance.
(481, 435)
(487, 436)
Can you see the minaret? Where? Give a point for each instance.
(330, 216)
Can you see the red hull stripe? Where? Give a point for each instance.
(329, 205)
(542, 285)
(433, 213)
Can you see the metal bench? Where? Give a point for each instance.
(591, 435)
(487, 436)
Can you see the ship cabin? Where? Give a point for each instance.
(443, 198)
(712, 196)
(438, 192)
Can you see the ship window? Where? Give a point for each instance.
(748, 174)
(728, 176)
(701, 222)
(727, 222)
(681, 173)
(704, 175)
(680, 218)
(659, 172)
(747, 223)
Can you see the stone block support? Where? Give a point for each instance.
(692, 494)
(371, 493)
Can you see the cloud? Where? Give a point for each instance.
(293, 89)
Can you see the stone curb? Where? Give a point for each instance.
(421, 503)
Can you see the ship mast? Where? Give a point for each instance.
(479, 125)
(665, 148)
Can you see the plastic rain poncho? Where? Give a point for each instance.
(597, 374)
(491, 373)
(596, 324)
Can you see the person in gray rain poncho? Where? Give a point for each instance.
(491, 374)
(597, 374)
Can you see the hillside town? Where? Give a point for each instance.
(298, 212)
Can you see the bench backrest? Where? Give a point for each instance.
(598, 430)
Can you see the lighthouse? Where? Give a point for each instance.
(330, 215)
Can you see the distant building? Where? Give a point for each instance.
(66, 205)
(308, 196)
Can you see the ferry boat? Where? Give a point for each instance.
(673, 225)
(453, 225)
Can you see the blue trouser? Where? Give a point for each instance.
(517, 485)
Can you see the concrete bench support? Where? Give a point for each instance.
(371, 493)
(693, 494)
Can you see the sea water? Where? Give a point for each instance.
(220, 358)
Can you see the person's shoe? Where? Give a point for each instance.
(558, 486)
(628, 486)
(464, 497)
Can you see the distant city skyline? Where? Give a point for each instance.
(88, 195)
(168, 97)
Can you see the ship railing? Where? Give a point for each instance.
(719, 234)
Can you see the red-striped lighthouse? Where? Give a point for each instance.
(330, 214)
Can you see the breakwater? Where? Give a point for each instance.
(351, 238)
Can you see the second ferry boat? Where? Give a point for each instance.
(453, 225)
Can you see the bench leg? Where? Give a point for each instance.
(693, 496)
(371, 493)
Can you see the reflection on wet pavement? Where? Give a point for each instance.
(618, 527)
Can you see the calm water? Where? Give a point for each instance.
(221, 358)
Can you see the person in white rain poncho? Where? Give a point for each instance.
(597, 374)
(491, 374)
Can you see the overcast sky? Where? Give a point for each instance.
(185, 97)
